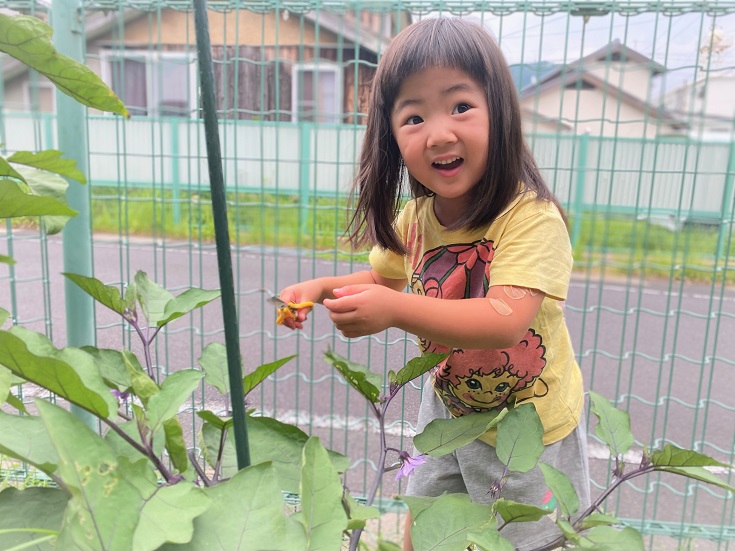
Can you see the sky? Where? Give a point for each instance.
(673, 41)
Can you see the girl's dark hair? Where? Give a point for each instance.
(459, 44)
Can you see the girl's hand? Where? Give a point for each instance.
(362, 310)
(308, 291)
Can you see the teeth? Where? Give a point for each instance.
(447, 161)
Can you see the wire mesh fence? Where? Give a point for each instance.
(627, 106)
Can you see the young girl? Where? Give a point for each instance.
(483, 246)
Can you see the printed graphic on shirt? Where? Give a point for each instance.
(452, 272)
(471, 381)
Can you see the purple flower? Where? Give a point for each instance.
(408, 464)
(122, 396)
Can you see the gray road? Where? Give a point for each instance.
(661, 350)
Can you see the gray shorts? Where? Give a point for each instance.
(473, 468)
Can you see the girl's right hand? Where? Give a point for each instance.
(308, 291)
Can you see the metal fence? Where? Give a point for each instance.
(628, 107)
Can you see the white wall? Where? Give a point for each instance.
(635, 175)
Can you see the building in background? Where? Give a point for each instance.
(274, 66)
(606, 93)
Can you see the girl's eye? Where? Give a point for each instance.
(414, 119)
(462, 108)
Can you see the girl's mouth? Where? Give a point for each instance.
(449, 164)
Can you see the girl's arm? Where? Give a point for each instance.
(320, 289)
(500, 320)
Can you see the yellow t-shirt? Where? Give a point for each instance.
(526, 246)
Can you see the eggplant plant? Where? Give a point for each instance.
(138, 484)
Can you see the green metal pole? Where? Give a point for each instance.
(584, 142)
(221, 232)
(71, 131)
(727, 199)
(304, 175)
(176, 185)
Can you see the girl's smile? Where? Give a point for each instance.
(441, 122)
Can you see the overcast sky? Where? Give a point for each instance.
(672, 41)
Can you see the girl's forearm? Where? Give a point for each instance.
(328, 284)
(466, 323)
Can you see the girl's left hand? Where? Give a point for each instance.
(361, 310)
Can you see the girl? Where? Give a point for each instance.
(482, 227)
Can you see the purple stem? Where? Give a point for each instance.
(380, 414)
(145, 450)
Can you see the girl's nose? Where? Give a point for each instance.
(440, 134)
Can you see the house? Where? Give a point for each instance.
(274, 65)
(605, 93)
(708, 103)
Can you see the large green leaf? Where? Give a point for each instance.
(512, 511)
(176, 388)
(106, 295)
(70, 372)
(599, 519)
(447, 522)
(698, 473)
(25, 438)
(358, 513)
(568, 531)
(560, 485)
(443, 436)
(415, 368)
(214, 363)
(269, 440)
(490, 539)
(607, 538)
(49, 160)
(30, 509)
(7, 170)
(210, 438)
(14, 203)
(5, 259)
(152, 298)
(213, 419)
(246, 513)
(519, 443)
(673, 456)
(28, 39)
(251, 380)
(359, 376)
(4, 316)
(167, 512)
(184, 303)
(613, 427)
(116, 503)
(104, 509)
(47, 184)
(111, 365)
(324, 516)
(176, 444)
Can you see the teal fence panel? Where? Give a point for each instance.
(628, 108)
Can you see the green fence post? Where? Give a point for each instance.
(71, 128)
(221, 231)
(304, 174)
(726, 212)
(175, 184)
(584, 142)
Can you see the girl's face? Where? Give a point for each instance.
(441, 122)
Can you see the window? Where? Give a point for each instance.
(152, 84)
(39, 94)
(317, 93)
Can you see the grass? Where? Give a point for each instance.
(17, 475)
(613, 244)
